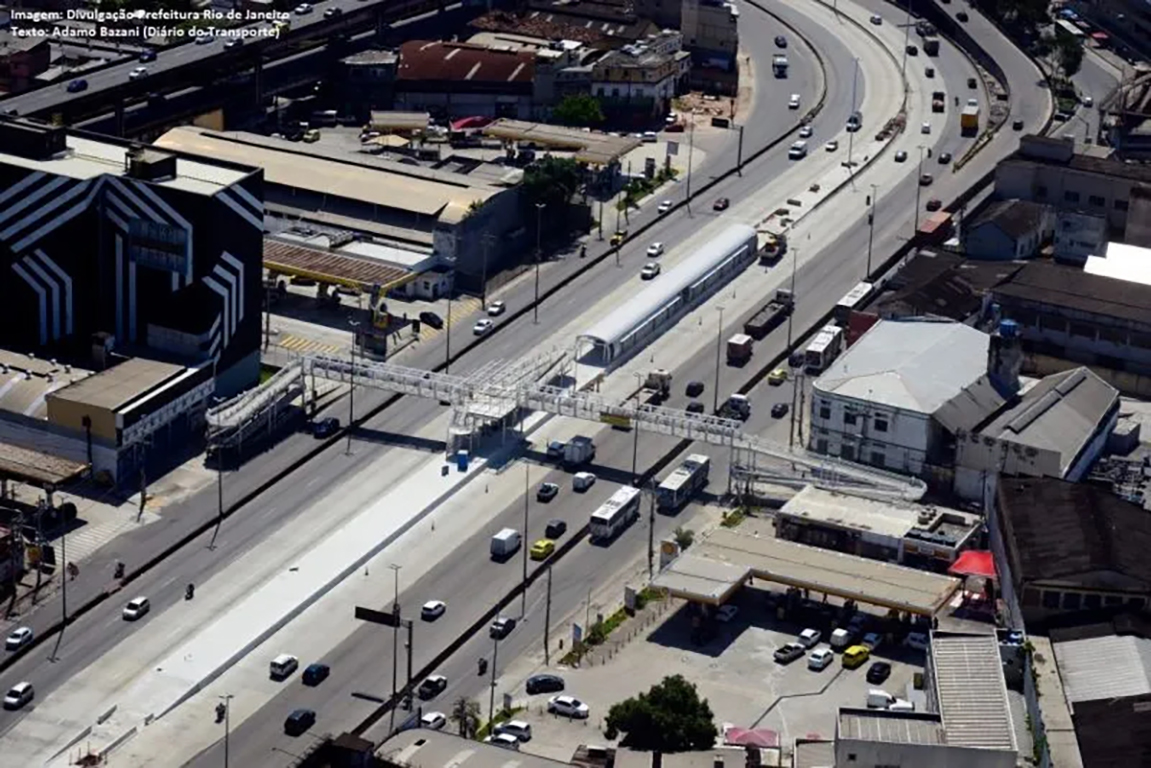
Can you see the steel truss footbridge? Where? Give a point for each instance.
(500, 392)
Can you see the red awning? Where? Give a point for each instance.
(973, 563)
(465, 123)
(752, 737)
(1099, 36)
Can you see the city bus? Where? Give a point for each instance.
(617, 513)
(854, 299)
(826, 346)
(682, 484)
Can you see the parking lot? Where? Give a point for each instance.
(735, 671)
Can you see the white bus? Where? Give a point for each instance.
(681, 484)
(826, 347)
(851, 302)
(617, 513)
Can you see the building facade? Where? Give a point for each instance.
(1078, 235)
(641, 79)
(711, 32)
(1009, 229)
(453, 80)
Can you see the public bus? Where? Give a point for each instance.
(682, 484)
(826, 346)
(617, 513)
(855, 298)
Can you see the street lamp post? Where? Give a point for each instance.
(352, 389)
(536, 305)
(227, 699)
(850, 133)
(794, 262)
(718, 350)
(524, 583)
(395, 641)
(906, 40)
(871, 227)
(918, 188)
(635, 426)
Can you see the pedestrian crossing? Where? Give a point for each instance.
(301, 345)
(463, 310)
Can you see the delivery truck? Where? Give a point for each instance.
(770, 315)
(969, 119)
(739, 349)
(505, 543)
(579, 450)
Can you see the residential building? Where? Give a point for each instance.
(367, 81)
(1069, 317)
(1057, 427)
(599, 24)
(1047, 170)
(170, 255)
(452, 80)
(1065, 548)
(898, 396)
(22, 59)
(711, 32)
(1007, 230)
(924, 537)
(560, 64)
(1079, 235)
(942, 285)
(640, 80)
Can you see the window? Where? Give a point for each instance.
(849, 419)
(824, 412)
(1071, 197)
(878, 459)
(821, 445)
(1071, 601)
(1120, 205)
(851, 756)
(1096, 201)
(1050, 599)
(879, 424)
(1091, 602)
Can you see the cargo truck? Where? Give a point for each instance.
(579, 450)
(772, 246)
(739, 349)
(969, 119)
(658, 383)
(505, 543)
(766, 319)
(938, 100)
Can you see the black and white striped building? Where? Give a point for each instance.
(159, 251)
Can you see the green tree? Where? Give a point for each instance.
(671, 717)
(1069, 53)
(579, 110)
(552, 181)
(684, 537)
(466, 715)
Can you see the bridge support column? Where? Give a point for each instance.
(119, 118)
(258, 79)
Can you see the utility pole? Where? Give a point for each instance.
(524, 546)
(352, 389)
(635, 426)
(227, 699)
(487, 242)
(548, 621)
(448, 334)
(918, 187)
(871, 228)
(850, 133)
(395, 641)
(690, 155)
(718, 349)
(267, 313)
(539, 231)
(492, 693)
(794, 262)
(739, 153)
(408, 688)
(651, 533)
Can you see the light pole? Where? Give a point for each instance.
(690, 155)
(918, 188)
(352, 389)
(739, 153)
(906, 40)
(219, 491)
(227, 699)
(448, 333)
(539, 230)
(635, 425)
(718, 349)
(871, 227)
(794, 262)
(524, 547)
(395, 641)
(492, 693)
(851, 133)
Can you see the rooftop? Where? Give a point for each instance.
(972, 694)
(813, 754)
(872, 515)
(421, 748)
(332, 267)
(941, 284)
(1015, 217)
(1054, 152)
(115, 387)
(377, 182)
(25, 382)
(890, 727)
(35, 466)
(566, 23)
(1110, 667)
(1062, 413)
(1054, 529)
(464, 62)
(913, 365)
(1043, 282)
(589, 146)
(1122, 261)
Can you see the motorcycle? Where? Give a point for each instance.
(483, 666)
(189, 592)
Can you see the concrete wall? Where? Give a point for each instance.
(904, 444)
(873, 754)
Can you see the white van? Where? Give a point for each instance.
(581, 481)
(283, 665)
(840, 639)
(798, 151)
(878, 698)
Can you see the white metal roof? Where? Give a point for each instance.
(1122, 261)
(971, 691)
(913, 365)
(824, 338)
(617, 500)
(1109, 667)
(652, 299)
(684, 471)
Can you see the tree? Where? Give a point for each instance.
(670, 717)
(552, 181)
(466, 714)
(1069, 53)
(579, 110)
(684, 537)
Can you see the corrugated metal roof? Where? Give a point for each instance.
(1066, 287)
(890, 727)
(1110, 667)
(36, 466)
(971, 691)
(590, 146)
(421, 60)
(116, 386)
(331, 267)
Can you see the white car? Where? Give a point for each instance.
(925, 128)
(973, 102)
(650, 271)
(497, 308)
(797, 151)
(793, 102)
(1088, 101)
(432, 610)
(809, 638)
(137, 73)
(876, 19)
(649, 137)
(504, 740)
(19, 695)
(820, 658)
(482, 326)
(205, 39)
(517, 728)
(568, 706)
(916, 640)
(136, 608)
(831, 146)
(433, 721)
(18, 638)
(805, 132)
(664, 207)
(726, 613)
(303, 8)
(655, 250)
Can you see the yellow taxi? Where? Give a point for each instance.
(777, 377)
(855, 656)
(542, 549)
(311, 136)
(619, 236)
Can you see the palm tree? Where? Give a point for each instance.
(466, 714)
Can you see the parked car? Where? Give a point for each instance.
(432, 610)
(501, 628)
(872, 640)
(432, 686)
(482, 326)
(809, 638)
(878, 672)
(497, 308)
(78, 85)
(695, 406)
(542, 549)
(518, 728)
(568, 706)
(789, 653)
(650, 271)
(655, 250)
(916, 640)
(547, 491)
(18, 638)
(721, 204)
(299, 721)
(326, 427)
(315, 674)
(855, 656)
(726, 613)
(555, 528)
(820, 659)
(432, 320)
(434, 721)
(136, 608)
(504, 741)
(544, 684)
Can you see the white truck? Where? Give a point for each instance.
(505, 542)
(579, 450)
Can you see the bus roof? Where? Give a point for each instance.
(824, 338)
(857, 294)
(683, 472)
(618, 499)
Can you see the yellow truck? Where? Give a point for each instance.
(969, 119)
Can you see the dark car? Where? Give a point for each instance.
(547, 492)
(316, 674)
(501, 628)
(432, 687)
(333, 12)
(77, 85)
(146, 56)
(779, 410)
(326, 427)
(795, 360)
(934, 204)
(929, 72)
(971, 82)
(695, 406)
(694, 389)
(720, 204)
(962, 15)
(781, 41)
(432, 320)
(1017, 125)
(878, 672)
(912, 50)
(944, 158)
(555, 529)
(299, 721)
(545, 684)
